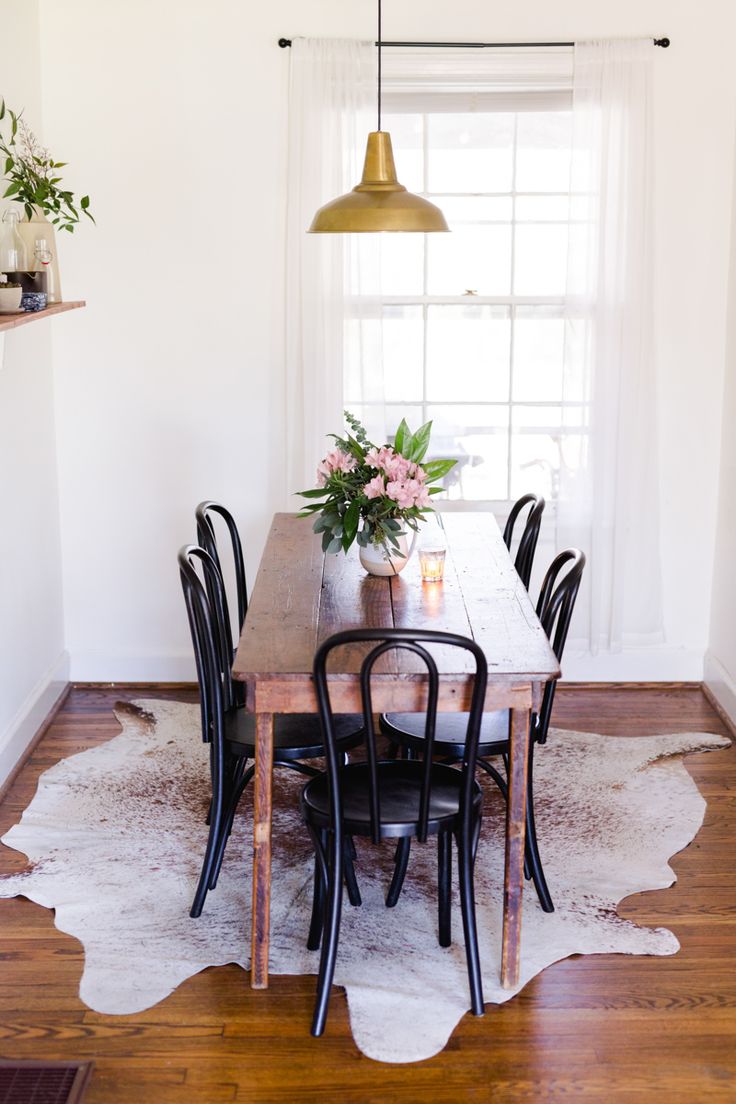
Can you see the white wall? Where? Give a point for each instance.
(720, 659)
(172, 115)
(33, 663)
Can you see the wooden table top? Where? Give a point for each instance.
(301, 597)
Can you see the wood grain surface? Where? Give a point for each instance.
(301, 597)
(600, 1029)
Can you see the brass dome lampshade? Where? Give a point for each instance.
(379, 203)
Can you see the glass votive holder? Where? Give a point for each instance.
(432, 564)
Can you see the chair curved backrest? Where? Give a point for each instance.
(554, 609)
(528, 544)
(204, 597)
(207, 539)
(414, 641)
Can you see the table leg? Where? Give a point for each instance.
(515, 836)
(262, 802)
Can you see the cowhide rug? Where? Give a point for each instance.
(115, 836)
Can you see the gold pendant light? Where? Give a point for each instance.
(379, 203)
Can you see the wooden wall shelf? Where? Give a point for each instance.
(22, 318)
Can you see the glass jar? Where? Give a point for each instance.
(13, 254)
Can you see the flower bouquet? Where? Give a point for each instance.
(372, 494)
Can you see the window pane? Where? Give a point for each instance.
(474, 258)
(539, 334)
(543, 151)
(477, 438)
(408, 146)
(536, 442)
(402, 264)
(381, 422)
(470, 152)
(468, 353)
(540, 260)
(542, 208)
(458, 209)
(403, 353)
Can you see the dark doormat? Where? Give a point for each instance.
(44, 1082)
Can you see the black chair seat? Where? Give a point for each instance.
(296, 735)
(400, 783)
(449, 739)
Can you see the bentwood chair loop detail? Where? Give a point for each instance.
(406, 730)
(394, 799)
(524, 560)
(205, 515)
(230, 730)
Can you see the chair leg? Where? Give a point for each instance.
(403, 848)
(444, 887)
(351, 882)
(532, 860)
(242, 780)
(216, 823)
(318, 894)
(332, 931)
(467, 904)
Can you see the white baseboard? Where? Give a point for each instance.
(19, 733)
(655, 664)
(721, 685)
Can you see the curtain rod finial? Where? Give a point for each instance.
(663, 42)
(284, 42)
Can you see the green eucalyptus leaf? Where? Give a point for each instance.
(333, 547)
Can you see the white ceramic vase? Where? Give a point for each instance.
(379, 559)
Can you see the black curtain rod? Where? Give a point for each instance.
(663, 42)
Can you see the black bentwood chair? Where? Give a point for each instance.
(554, 609)
(205, 515)
(229, 730)
(394, 799)
(524, 560)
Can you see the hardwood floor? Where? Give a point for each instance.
(596, 1028)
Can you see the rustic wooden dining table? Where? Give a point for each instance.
(302, 596)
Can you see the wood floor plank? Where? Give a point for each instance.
(607, 1028)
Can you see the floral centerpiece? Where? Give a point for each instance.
(373, 494)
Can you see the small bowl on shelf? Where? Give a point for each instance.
(10, 298)
(33, 301)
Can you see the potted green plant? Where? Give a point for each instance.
(33, 176)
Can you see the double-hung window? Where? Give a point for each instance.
(472, 322)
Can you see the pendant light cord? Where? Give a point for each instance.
(379, 64)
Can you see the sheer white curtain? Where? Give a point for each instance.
(608, 493)
(331, 97)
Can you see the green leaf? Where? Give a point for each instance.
(316, 492)
(2, 109)
(403, 433)
(419, 443)
(333, 547)
(350, 521)
(436, 469)
(84, 202)
(8, 165)
(12, 189)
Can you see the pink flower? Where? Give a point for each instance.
(334, 461)
(407, 493)
(401, 493)
(376, 488)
